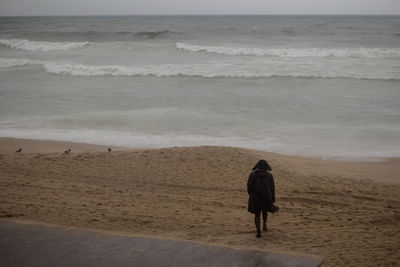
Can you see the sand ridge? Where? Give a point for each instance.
(199, 194)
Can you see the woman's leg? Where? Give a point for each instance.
(265, 216)
(257, 222)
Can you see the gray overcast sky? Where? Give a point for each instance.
(171, 7)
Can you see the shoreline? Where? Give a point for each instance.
(385, 170)
(8, 145)
(37, 145)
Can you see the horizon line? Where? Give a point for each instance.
(182, 15)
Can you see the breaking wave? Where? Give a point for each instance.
(13, 62)
(41, 46)
(217, 70)
(293, 52)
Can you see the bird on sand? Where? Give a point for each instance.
(109, 149)
(19, 150)
(67, 151)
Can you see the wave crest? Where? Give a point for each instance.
(13, 62)
(152, 34)
(292, 52)
(41, 46)
(95, 36)
(217, 70)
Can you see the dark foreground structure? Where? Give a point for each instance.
(36, 245)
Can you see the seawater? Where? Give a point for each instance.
(324, 86)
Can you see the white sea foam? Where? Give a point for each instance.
(41, 46)
(293, 52)
(206, 70)
(197, 70)
(14, 62)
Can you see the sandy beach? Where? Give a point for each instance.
(346, 212)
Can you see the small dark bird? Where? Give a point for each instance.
(19, 150)
(67, 151)
(109, 149)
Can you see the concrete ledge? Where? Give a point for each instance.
(36, 245)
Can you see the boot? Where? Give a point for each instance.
(258, 235)
(265, 229)
(257, 222)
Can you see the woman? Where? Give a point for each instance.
(261, 189)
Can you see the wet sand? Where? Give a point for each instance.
(345, 212)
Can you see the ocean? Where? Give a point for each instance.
(315, 86)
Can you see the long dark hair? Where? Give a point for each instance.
(262, 165)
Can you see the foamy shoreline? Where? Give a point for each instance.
(9, 145)
(378, 170)
(375, 169)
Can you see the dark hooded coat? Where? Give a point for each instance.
(261, 189)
